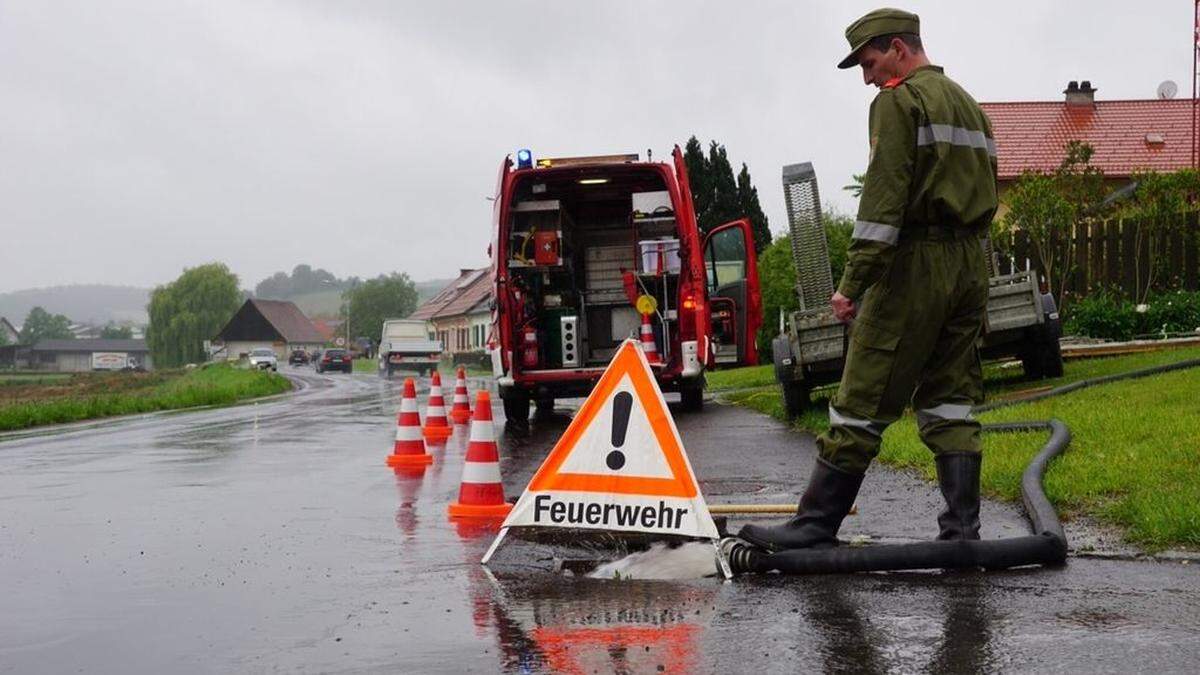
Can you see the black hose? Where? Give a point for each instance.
(1081, 384)
(1046, 546)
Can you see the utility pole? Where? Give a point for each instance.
(1195, 62)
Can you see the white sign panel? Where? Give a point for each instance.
(620, 465)
(109, 360)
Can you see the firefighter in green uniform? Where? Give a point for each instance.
(914, 290)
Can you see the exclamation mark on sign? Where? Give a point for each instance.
(622, 405)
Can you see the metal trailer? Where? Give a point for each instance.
(810, 350)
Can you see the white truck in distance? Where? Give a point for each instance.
(405, 345)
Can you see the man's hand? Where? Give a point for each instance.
(843, 307)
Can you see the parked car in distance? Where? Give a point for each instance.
(298, 357)
(263, 358)
(335, 359)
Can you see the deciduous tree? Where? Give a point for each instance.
(42, 325)
(1158, 208)
(391, 296)
(1048, 208)
(190, 310)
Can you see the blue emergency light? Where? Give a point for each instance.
(524, 159)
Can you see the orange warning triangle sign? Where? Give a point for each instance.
(620, 466)
(629, 365)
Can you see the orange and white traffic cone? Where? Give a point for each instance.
(647, 337)
(437, 427)
(481, 494)
(409, 449)
(461, 412)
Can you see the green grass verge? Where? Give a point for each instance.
(219, 384)
(740, 378)
(1000, 381)
(1133, 457)
(366, 366)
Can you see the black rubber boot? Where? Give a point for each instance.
(826, 501)
(958, 475)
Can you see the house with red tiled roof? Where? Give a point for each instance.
(1127, 135)
(327, 327)
(460, 314)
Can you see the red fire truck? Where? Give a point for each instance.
(585, 251)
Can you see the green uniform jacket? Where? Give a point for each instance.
(933, 162)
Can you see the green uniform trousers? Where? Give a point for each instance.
(914, 338)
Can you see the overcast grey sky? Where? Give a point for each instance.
(139, 138)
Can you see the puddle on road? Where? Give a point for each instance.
(693, 560)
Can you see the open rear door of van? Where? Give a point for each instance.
(499, 342)
(735, 297)
(690, 243)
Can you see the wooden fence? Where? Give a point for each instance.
(1107, 255)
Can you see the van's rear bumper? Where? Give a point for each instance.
(573, 382)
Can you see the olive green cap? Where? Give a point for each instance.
(886, 21)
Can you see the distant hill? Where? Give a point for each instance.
(99, 303)
(328, 303)
(322, 303)
(83, 303)
(428, 289)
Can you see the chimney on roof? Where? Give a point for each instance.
(1080, 93)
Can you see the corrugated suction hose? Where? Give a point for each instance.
(1046, 546)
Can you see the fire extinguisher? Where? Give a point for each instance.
(529, 346)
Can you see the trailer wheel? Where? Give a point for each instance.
(795, 398)
(1052, 361)
(692, 397)
(1031, 361)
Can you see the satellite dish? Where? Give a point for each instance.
(1168, 89)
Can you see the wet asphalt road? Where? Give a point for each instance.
(271, 537)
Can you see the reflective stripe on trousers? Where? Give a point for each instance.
(959, 412)
(837, 419)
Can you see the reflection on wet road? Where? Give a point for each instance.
(272, 536)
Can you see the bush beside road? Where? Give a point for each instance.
(85, 396)
(1132, 459)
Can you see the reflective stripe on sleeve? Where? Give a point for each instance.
(837, 419)
(946, 133)
(947, 411)
(865, 229)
